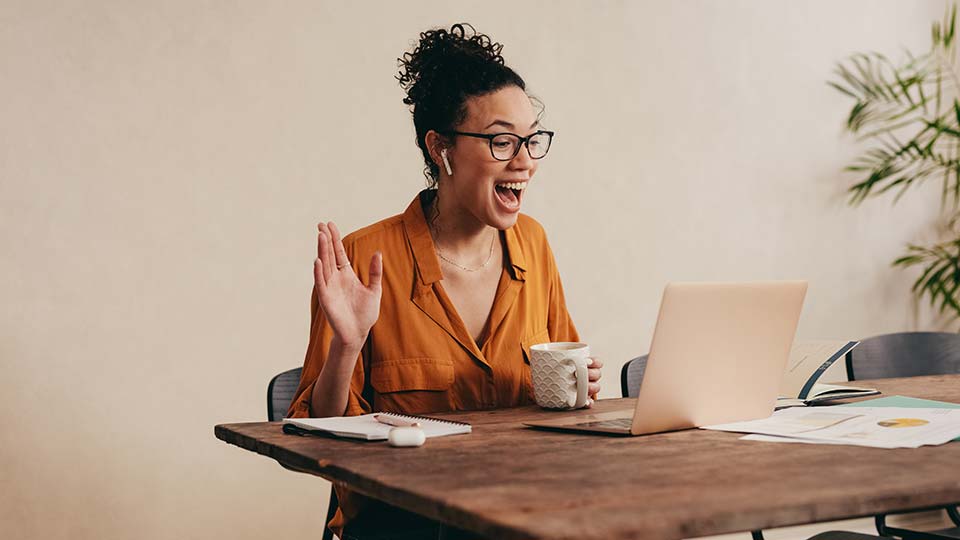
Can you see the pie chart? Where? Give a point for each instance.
(902, 422)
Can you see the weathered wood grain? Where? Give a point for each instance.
(511, 482)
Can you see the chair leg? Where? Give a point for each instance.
(954, 514)
(757, 535)
(881, 522)
(896, 532)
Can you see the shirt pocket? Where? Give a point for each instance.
(413, 385)
(536, 338)
(408, 374)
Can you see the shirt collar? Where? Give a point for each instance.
(421, 243)
(425, 254)
(515, 253)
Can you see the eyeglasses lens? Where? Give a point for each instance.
(538, 145)
(504, 146)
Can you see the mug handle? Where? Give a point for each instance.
(583, 383)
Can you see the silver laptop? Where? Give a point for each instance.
(718, 355)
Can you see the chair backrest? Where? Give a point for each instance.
(280, 393)
(905, 354)
(630, 376)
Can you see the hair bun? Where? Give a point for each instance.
(442, 56)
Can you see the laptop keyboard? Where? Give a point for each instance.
(616, 423)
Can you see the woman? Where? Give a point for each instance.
(461, 284)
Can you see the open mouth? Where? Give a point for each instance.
(509, 193)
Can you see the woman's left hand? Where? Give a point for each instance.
(594, 374)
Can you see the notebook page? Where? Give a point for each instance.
(433, 427)
(367, 427)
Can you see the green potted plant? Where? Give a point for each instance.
(910, 114)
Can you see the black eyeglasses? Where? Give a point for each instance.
(505, 146)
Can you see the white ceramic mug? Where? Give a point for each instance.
(559, 374)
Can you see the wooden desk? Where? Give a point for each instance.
(506, 481)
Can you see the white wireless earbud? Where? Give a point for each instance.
(446, 162)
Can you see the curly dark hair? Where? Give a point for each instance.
(443, 71)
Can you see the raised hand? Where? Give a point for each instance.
(350, 307)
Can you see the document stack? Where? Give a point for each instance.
(893, 422)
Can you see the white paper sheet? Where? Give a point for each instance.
(880, 427)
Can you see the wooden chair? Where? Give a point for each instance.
(908, 354)
(280, 392)
(631, 375)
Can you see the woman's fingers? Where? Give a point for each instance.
(593, 375)
(324, 251)
(318, 280)
(338, 251)
(320, 227)
(594, 372)
(376, 270)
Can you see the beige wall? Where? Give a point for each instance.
(162, 166)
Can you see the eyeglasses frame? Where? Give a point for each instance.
(524, 141)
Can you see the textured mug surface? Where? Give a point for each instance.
(556, 370)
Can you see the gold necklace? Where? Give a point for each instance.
(460, 266)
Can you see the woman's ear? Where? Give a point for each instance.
(435, 144)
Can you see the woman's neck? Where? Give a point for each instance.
(457, 233)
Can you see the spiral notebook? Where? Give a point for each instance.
(368, 428)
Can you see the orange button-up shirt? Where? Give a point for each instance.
(419, 357)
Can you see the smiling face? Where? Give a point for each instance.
(481, 187)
